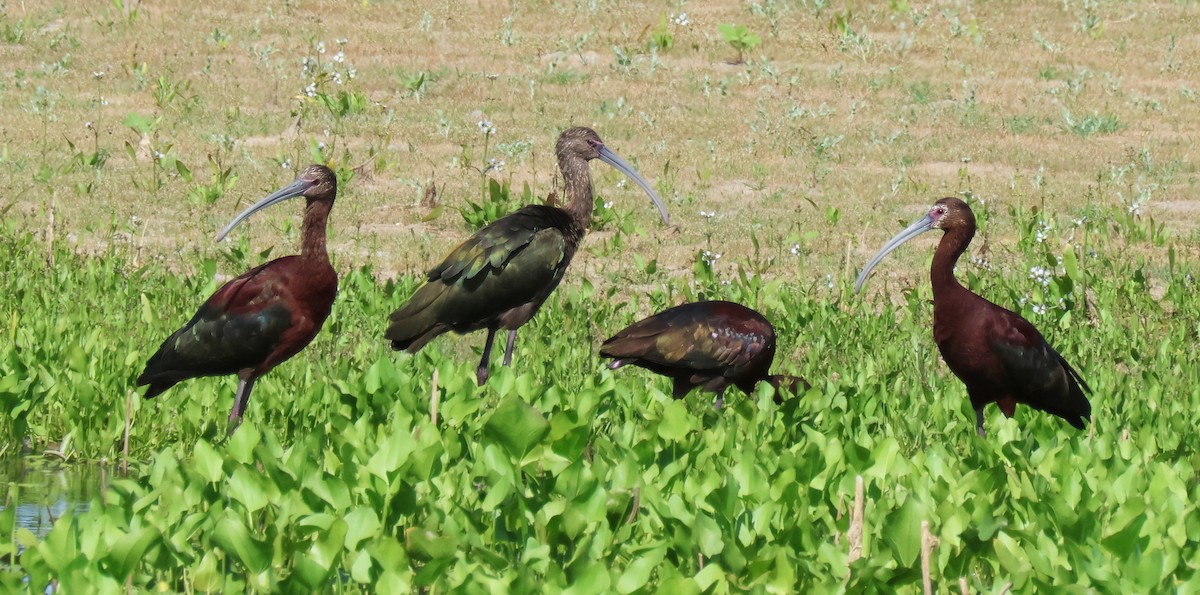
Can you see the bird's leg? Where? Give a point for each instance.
(240, 400)
(481, 373)
(720, 402)
(979, 422)
(512, 340)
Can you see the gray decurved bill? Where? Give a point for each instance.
(614, 160)
(292, 190)
(923, 225)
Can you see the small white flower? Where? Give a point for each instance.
(486, 127)
(320, 47)
(1039, 309)
(339, 57)
(287, 164)
(321, 145)
(708, 214)
(494, 165)
(608, 204)
(88, 125)
(351, 73)
(621, 182)
(681, 19)
(326, 131)
(1041, 232)
(103, 100)
(337, 78)
(342, 41)
(98, 74)
(795, 250)
(1135, 208)
(135, 220)
(829, 281)
(311, 89)
(1041, 274)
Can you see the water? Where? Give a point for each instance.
(40, 490)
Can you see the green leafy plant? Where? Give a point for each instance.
(498, 202)
(739, 38)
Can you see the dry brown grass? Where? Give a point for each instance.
(938, 99)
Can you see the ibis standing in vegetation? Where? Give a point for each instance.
(264, 316)
(703, 344)
(999, 356)
(499, 277)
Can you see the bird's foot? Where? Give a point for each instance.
(481, 375)
(982, 433)
(720, 402)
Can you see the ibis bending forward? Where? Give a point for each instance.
(499, 277)
(996, 353)
(707, 344)
(264, 316)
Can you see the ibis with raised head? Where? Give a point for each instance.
(264, 316)
(997, 354)
(501, 276)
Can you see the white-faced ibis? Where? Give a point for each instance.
(711, 345)
(499, 277)
(999, 356)
(264, 316)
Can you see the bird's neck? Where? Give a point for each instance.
(312, 236)
(941, 273)
(578, 181)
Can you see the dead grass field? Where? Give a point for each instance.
(873, 112)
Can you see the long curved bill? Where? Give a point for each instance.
(614, 160)
(923, 225)
(292, 190)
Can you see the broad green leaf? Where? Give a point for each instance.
(362, 524)
(902, 531)
(233, 537)
(638, 572)
(676, 422)
(516, 426)
(127, 553)
(208, 462)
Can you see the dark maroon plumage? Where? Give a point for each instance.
(711, 345)
(264, 316)
(1000, 356)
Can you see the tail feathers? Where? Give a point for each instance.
(628, 348)
(159, 379)
(159, 372)
(414, 344)
(1079, 421)
(416, 322)
(1077, 409)
(156, 388)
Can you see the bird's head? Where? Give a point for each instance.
(583, 143)
(316, 183)
(950, 213)
(947, 214)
